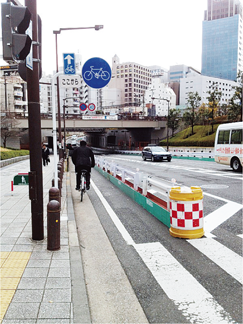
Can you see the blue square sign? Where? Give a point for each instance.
(69, 63)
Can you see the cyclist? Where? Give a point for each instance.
(83, 159)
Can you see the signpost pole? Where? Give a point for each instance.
(54, 127)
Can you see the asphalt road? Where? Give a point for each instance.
(178, 280)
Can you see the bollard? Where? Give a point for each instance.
(53, 225)
(60, 167)
(54, 194)
(59, 175)
(59, 185)
(186, 212)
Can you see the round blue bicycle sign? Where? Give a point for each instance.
(96, 73)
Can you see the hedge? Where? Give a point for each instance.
(8, 154)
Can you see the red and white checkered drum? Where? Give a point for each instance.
(186, 212)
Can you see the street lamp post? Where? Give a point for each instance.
(167, 130)
(57, 32)
(64, 115)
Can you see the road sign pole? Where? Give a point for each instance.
(35, 133)
(58, 100)
(54, 126)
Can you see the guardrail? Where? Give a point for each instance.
(180, 208)
(155, 189)
(200, 155)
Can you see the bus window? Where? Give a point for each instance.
(236, 136)
(223, 137)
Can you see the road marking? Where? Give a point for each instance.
(114, 217)
(191, 298)
(190, 169)
(226, 259)
(220, 215)
(240, 235)
(195, 302)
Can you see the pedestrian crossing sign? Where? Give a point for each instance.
(21, 179)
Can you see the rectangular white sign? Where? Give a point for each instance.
(70, 81)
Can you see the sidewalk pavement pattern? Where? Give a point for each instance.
(41, 286)
(36, 284)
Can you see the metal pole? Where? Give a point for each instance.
(35, 132)
(6, 97)
(54, 127)
(64, 125)
(168, 126)
(58, 98)
(241, 96)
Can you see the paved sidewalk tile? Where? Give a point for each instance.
(35, 283)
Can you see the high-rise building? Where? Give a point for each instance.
(222, 51)
(132, 78)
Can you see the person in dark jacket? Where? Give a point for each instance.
(83, 159)
(45, 155)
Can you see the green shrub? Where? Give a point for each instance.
(202, 137)
(8, 154)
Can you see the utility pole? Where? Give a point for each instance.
(36, 181)
(16, 48)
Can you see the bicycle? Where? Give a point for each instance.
(69, 69)
(97, 73)
(83, 183)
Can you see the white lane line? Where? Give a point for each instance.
(189, 169)
(219, 216)
(195, 302)
(226, 259)
(192, 299)
(114, 217)
(240, 235)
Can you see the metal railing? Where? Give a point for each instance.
(141, 182)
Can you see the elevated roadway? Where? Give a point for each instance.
(106, 130)
(81, 124)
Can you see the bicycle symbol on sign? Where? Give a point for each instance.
(69, 69)
(97, 73)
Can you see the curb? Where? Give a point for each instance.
(81, 311)
(152, 207)
(6, 162)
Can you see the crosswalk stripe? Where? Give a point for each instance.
(226, 259)
(192, 299)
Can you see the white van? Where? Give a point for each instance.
(74, 140)
(228, 147)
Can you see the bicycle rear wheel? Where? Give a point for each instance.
(82, 194)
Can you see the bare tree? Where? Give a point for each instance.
(213, 101)
(8, 127)
(190, 116)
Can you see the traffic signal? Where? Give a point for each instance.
(22, 65)
(15, 21)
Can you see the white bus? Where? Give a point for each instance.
(228, 147)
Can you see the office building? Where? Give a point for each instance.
(13, 93)
(157, 97)
(132, 79)
(202, 84)
(222, 55)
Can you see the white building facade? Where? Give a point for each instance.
(132, 79)
(154, 95)
(202, 84)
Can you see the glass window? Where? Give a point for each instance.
(236, 136)
(223, 137)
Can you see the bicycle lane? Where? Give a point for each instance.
(110, 294)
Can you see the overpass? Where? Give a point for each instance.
(109, 131)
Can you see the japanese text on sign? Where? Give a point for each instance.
(69, 81)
